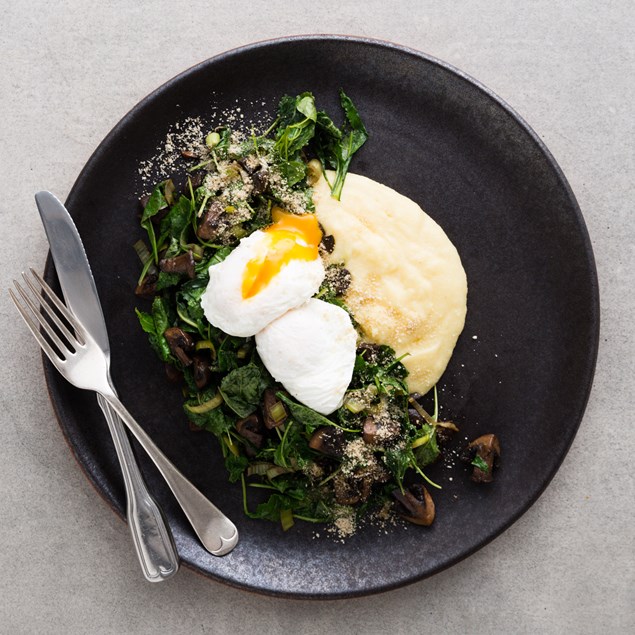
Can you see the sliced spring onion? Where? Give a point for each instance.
(142, 251)
(185, 318)
(239, 231)
(354, 405)
(278, 412)
(420, 441)
(206, 406)
(168, 191)
(231, 446)
(145, 257)
(258, 469)
(276, 470)
(286, 519)
(206, 344)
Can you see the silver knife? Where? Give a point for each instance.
(151, 536)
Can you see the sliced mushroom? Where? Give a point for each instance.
(196, 179)
(251, 428)
(179, 264)
(273, 410)
(173, 374)
(337, 279)
(351, 490)
(487, 449)
(201, 371)
(260, 180)
(180, 344)
(329, 441)
(148, 287)
(378, 431)
(212, 225)
(327, 244)
(415, 505)
(445, 432)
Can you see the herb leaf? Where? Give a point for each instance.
(480, 464)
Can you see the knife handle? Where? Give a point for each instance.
(151, 536)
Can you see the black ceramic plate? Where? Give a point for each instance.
(522, 367)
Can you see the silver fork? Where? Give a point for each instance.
(81, 361)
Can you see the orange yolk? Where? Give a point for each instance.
(290, 237)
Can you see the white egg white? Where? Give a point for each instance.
(311, 352)
(223, 302)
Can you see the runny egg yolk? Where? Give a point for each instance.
(290, 237)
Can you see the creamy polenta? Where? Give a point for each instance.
(408, 287)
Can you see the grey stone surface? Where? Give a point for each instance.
(71, 69)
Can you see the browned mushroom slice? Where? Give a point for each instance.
(148, 287)
(337, 279)
(484, 454)
(251, 428)
(380, 430)
(212, 225)
(179, 264)
(327, 244)
(180, 344)
(173, 374)
(273, 410)
(351, 490)
(415, 505)
(328, 441)
(260, 180)
(201, 371)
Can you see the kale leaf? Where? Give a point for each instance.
(335, 148)
(242, 388)
(308, 417)
(155, 325)
(428, 452)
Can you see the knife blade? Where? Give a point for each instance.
(151, 536)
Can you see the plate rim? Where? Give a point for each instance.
(593, 307)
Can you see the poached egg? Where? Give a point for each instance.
(270, 272)
(310, 350)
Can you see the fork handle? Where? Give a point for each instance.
(150, 534)
(216, 532)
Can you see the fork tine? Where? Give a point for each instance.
(62, 308)
(62, 347)
(46, 347)
(49, 310)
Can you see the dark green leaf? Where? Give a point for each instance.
(214, 421)
(235, 465)
(155, 325)
(308, 417)
(220, 255)
(241, 389)
(270, 510)
(293, 171)
(177, 219)
(155, 203)
(166, 280)
(352, 115)
(398, 461)
(428, 452)
(306, 105)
